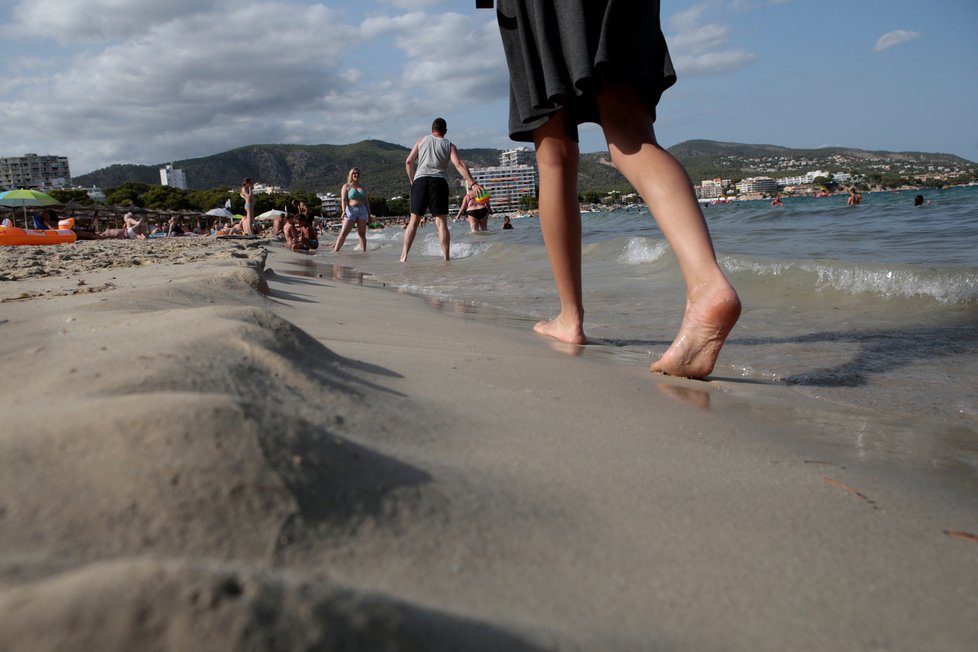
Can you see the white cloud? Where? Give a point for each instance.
(448, 57)
(181, 87)
(897, 37)
(413, 5)
(198, 77)
(93, 20)
(701, 38)
(712, 63)
(700, 48)
(377, 26)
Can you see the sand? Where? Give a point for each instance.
(203, 449)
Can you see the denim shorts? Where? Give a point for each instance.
(358, 212)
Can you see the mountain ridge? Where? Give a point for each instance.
(323, 168)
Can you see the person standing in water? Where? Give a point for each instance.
(427, 170)
(477, 214)
(606, 61)
(354, 208)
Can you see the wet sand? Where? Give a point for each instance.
(202, 449)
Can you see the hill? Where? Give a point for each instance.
(322, 168)
(316, 168)
(708, 159)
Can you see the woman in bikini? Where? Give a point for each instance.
(355, 209)
(247, 194)
(477, 213)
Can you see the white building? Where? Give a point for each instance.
(267, 189)
(711, 188)
(514, 178)
(753, 185)
(331, 203)
(517, 156)
(33, 171)
(170, 176)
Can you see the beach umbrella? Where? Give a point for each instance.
(25, 198)
(220, 212)
(270, 215)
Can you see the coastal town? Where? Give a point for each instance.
(755, 177)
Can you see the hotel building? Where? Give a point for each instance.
(514, 178)
(757, 185)
(169, 176)
(712, 188)
(331, 203)
(33, 171)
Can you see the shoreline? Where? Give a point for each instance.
(241, 453)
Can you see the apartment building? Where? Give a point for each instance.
(514, 178)
(170, 176)
(33, 171)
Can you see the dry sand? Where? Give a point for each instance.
(202, 450)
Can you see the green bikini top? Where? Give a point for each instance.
(355, 193)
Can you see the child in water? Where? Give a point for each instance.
(606, 61)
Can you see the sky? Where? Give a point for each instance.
(148, 82)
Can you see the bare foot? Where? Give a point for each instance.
(706, 324)
(569, 331)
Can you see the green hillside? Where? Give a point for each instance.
(315, 168)
(323, 168)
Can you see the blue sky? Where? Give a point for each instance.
(143, 81)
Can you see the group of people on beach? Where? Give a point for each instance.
(609, 65)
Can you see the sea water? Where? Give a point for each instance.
(869, 309)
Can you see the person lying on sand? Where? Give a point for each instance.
(133, 229)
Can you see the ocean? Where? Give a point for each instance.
(870, 311)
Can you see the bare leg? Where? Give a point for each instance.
(246, 223)
(362, 231)
(712, 305)
(409, 233)
(344, 231)
(444, 235)
(558, 159)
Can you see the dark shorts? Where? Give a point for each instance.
(429, 193)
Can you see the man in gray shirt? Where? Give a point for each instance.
(427, 170)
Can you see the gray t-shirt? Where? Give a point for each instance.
(434, 155)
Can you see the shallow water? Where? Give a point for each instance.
(871, 309)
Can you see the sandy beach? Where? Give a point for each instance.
(207, 447)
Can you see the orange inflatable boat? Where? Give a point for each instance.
(12, 235)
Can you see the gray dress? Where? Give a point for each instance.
(559, 51)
